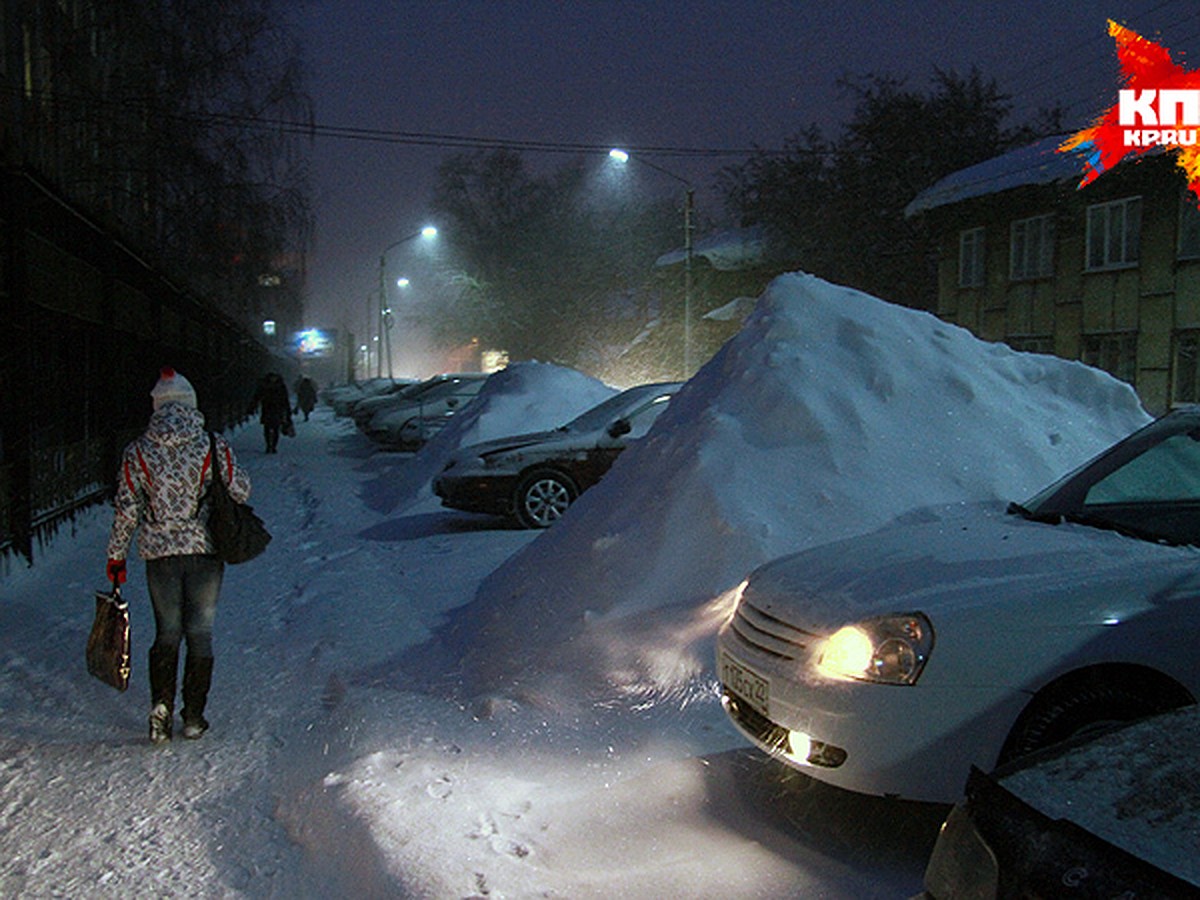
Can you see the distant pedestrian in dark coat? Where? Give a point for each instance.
(275, 409)
(306, 396)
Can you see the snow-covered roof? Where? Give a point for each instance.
(726, 251)
(1038, 163)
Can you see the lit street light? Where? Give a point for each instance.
(385, 313)
(620, 157)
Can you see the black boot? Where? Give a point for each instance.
(164, 663)
(197, 676)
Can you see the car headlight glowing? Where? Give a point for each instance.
(724, 606)
(888, 649)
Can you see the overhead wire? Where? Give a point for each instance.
(316, 129)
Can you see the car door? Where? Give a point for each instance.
(623, 431)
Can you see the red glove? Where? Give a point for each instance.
(116, 571)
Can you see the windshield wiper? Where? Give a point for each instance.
(1093, 521)
(1049, 518)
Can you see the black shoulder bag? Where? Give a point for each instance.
(237, 533)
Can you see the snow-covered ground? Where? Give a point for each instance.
(410, 701)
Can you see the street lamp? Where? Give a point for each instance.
(385, 314)
(620, 157)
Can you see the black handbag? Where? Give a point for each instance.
(108, 644)
(238, 535)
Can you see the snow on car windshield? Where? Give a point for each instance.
(602, 416)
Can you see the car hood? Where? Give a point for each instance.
(512, 442)
(549, 440)
(945, 559)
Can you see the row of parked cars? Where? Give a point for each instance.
(1007, 651)
(529, 478)
(402, 414)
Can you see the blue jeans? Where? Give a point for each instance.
(183, 590)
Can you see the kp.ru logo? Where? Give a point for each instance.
(1159, 108)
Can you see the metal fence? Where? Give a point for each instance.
(85, 326)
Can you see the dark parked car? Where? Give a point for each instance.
(364, 409)
(1116, 815)
(343, 398)
(535, 477)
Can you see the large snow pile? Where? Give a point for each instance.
(829, 414)
(523, 397)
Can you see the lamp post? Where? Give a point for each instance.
(689, 205)
(385, 313)
(369, 334)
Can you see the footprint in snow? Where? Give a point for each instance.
(440, 789)
(502, 846)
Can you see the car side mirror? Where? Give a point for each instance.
(619, 427)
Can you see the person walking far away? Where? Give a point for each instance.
(306, 396)
(275, 409)
(162, 488)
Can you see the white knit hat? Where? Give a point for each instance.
(173, 388)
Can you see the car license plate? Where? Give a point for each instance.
(748, 685)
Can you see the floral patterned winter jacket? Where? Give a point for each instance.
(163, 480)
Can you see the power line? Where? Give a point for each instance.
(313, 129)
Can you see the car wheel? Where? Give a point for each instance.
(542, 497)
(1076, 706)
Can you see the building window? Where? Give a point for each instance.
(1116, 354)
(1189, 226)
(970, 258)
(1031, 248)
(1186, 381)
(1114, 232)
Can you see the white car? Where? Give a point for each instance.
(892, 662)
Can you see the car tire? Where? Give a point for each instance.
(542, 497)
(1075, 706)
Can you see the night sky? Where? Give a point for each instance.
(704, 76)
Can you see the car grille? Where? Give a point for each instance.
(769, 634)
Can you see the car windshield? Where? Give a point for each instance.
(601, 416)
(1147, 485)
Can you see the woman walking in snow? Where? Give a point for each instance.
(162, 488)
